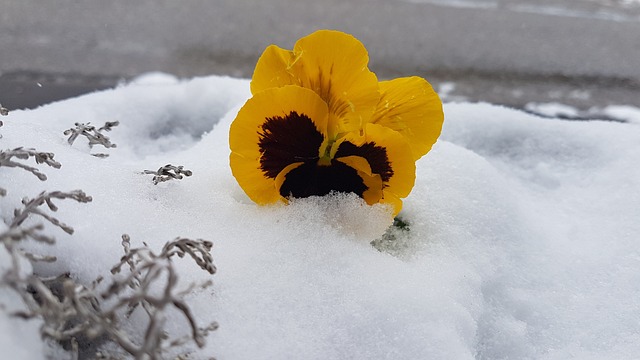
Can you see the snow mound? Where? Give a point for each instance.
(521, 237)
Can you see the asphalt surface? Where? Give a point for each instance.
(583, 52)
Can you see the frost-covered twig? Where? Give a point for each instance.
(77, 315)
(37, 294)
(15, 277)
(23, 154)
(168, 172)
(85, 311)
(83, 317)
(94, 135)
(16, 233)
(32, 206)
(3, 112)
(145, 268)
(109, 125)
(199, 250)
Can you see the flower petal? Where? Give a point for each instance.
(389, 155)
(335, 66)
(273, 69)
(399, 153)
(410, 106)
(282, 176)
(373, 194)
(311, 179)
(274, 129)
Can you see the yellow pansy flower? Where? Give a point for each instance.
(331, 63)
(411, 107)
(278, 140)
(319, 121)
(335, 66)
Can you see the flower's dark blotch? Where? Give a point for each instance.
(375, 155)
(294, 138)
(311, 179)
(287, 140)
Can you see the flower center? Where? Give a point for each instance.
(294, 139)
(309, 179)
(287, 140)
(375, 155)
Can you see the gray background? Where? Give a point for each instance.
(580, 52)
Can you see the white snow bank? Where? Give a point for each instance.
(523, 238)
(553, 109)
(624, 112)
(18, 337)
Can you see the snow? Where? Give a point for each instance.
(609, 10)
(621, 113)
(522, 242)
(553, 109)
(19, 338)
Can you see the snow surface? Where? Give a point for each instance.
(622, 113)
(523, 240)
(611, 10)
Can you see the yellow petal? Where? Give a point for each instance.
(246, 157)
(273, 69)
(400, 157)
(335, 66)
(282, 176)
(373, 194)
(411, 107)
(260, 190)
(395, 164)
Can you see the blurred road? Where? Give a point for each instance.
(581, 52)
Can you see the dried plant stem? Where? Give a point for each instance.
(83, 317)
(32, 206)
(23, 154)
(168, 172)
(78, 311)
(94, 135)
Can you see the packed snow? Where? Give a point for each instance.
(522, 241)
(621, 113)
(610, 10)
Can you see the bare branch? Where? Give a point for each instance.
(39, 258)
(72, 312)
(23, 154)
(32, 206)
(109, 125)
(145, 270)
(3, 112)
(168, 172)
(94, 135)
(81, 317)
(199, 250)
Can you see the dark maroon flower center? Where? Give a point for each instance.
(284, 140)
